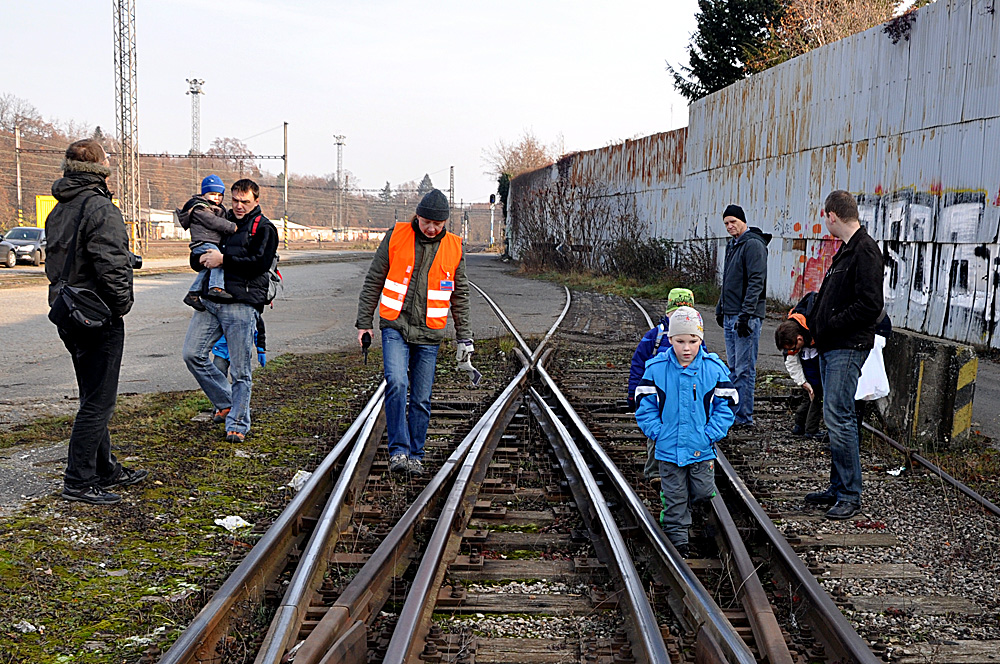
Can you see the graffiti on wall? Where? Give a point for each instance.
(938, 277)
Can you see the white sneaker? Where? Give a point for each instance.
(416, 467)
(398, 463)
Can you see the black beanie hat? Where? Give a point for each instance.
(735, 211)
(433, 206)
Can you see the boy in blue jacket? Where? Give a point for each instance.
(653, 342)
(685, 403)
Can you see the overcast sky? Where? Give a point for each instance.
(415, 87)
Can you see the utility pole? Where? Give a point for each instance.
(284, 158)
(451, 189)
(194, 89)
(340, 179)
(127, 120)
(17, 158)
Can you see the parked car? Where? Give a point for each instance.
(23, 243)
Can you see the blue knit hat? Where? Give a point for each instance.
(212, 184)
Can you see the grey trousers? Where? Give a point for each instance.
(681, 487)
(652, 467)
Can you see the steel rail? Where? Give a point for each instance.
(265, 560)
(766, 630)
(641, 618)
(308, 575)
(503, 319)
(700, 609)
(929, 465)
(828, 623)
(642, 309)
(340, 635)
(405, 644)
(510, 327)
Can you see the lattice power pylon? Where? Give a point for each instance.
(340, 179)
(127, 122)
(194, 89)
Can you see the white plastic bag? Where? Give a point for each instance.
(873, 383)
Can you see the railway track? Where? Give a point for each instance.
(530, 539)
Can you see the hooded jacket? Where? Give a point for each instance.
(102, 261)
(850, 301)
(247, 256)
(685, 410)
(803, 366)
(744, 275)
(412, 319)
(206, 220)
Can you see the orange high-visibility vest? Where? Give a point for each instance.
(440, 277)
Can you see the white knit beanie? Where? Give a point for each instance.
(686, 320)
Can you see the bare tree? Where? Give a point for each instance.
(512, 159)
(233, 153)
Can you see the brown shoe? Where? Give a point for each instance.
(220, 415)
(219, 294)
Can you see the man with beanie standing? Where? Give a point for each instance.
(685, 403)
(416, 277)
(101, 262)
(842, 320)
(742, 304)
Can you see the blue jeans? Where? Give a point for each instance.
(407, 367)
(237, 322)
(742, 355)
(216, 277)
(840, 370)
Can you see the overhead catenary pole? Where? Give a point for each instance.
(17, 158)
(451, 190)
(127, 120)
(285, 178)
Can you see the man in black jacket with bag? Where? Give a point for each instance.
(100, 262)
(842, 320)
(245, 259)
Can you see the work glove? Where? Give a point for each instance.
(262, 357)
(465, 350)
(743, 325)
(464, 357)
(631, 404)
(718, 319)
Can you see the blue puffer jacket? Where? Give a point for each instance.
(686, 410)
(646, 349)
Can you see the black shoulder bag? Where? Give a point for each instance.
(77, 309)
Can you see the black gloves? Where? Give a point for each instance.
(631, 404)
(718, 319)
(743, 325)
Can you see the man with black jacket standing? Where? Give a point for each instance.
(245, 257)
(101, 262)
(742, 305)
(843, 321)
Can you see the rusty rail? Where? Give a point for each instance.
(308, 576)
(699, 613)
(640, 618)
(198, 641)
(929, 465)
(828, 622)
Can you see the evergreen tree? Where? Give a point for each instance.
(425, 186)
(729, 33)
(386, 194)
